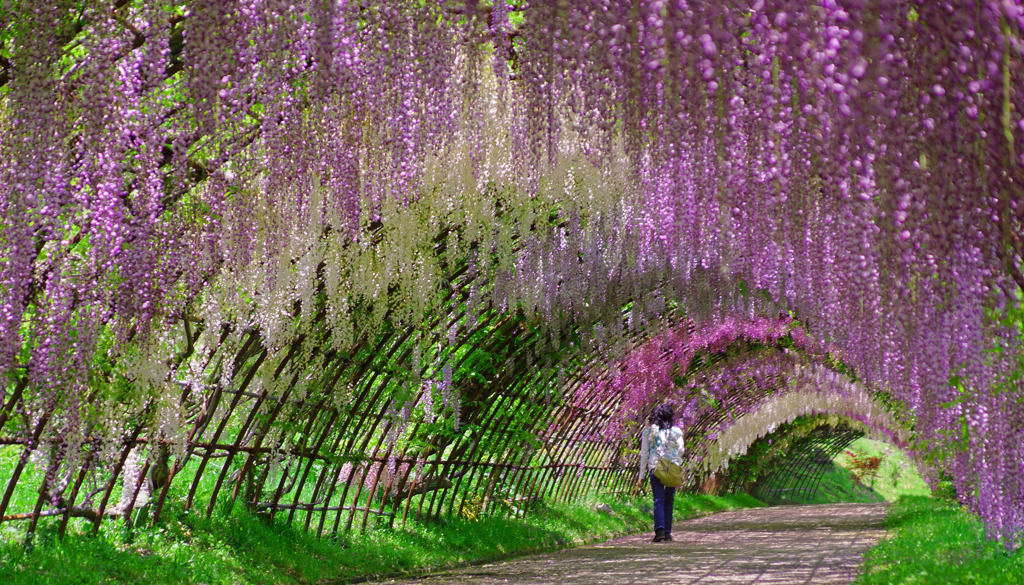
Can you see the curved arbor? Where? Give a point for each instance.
(799, 473)
(493, 435)
(375, 438)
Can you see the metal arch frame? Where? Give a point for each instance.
(742, 398)
(800, 469)
(354, 434)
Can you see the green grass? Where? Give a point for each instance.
(237, 547)
(897, 476)
(836, 486)
(936, 541)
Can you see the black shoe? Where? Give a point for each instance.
(668, 537)
(659, 535)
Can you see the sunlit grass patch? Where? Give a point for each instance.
(937, 541)
(896, 475)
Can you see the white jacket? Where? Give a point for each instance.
(656, 443)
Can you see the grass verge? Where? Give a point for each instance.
(936, 541)
(237, 547)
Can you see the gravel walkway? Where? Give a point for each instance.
(785, 544)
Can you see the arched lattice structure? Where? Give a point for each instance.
(734, 383)
(799, 473)
(332, 466)
(805, 397)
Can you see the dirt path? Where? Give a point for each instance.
(785, 544)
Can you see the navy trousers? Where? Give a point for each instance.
(663, 497)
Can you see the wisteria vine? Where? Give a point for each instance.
(269, 165)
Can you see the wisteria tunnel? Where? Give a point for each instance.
(369, 263)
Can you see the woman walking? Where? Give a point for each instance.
(661, 439)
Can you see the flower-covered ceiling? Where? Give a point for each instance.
(173, 177)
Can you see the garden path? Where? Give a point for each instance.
(777, 545)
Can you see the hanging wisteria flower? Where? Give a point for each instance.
(290, 180)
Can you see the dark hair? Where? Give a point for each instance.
(663, 416)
